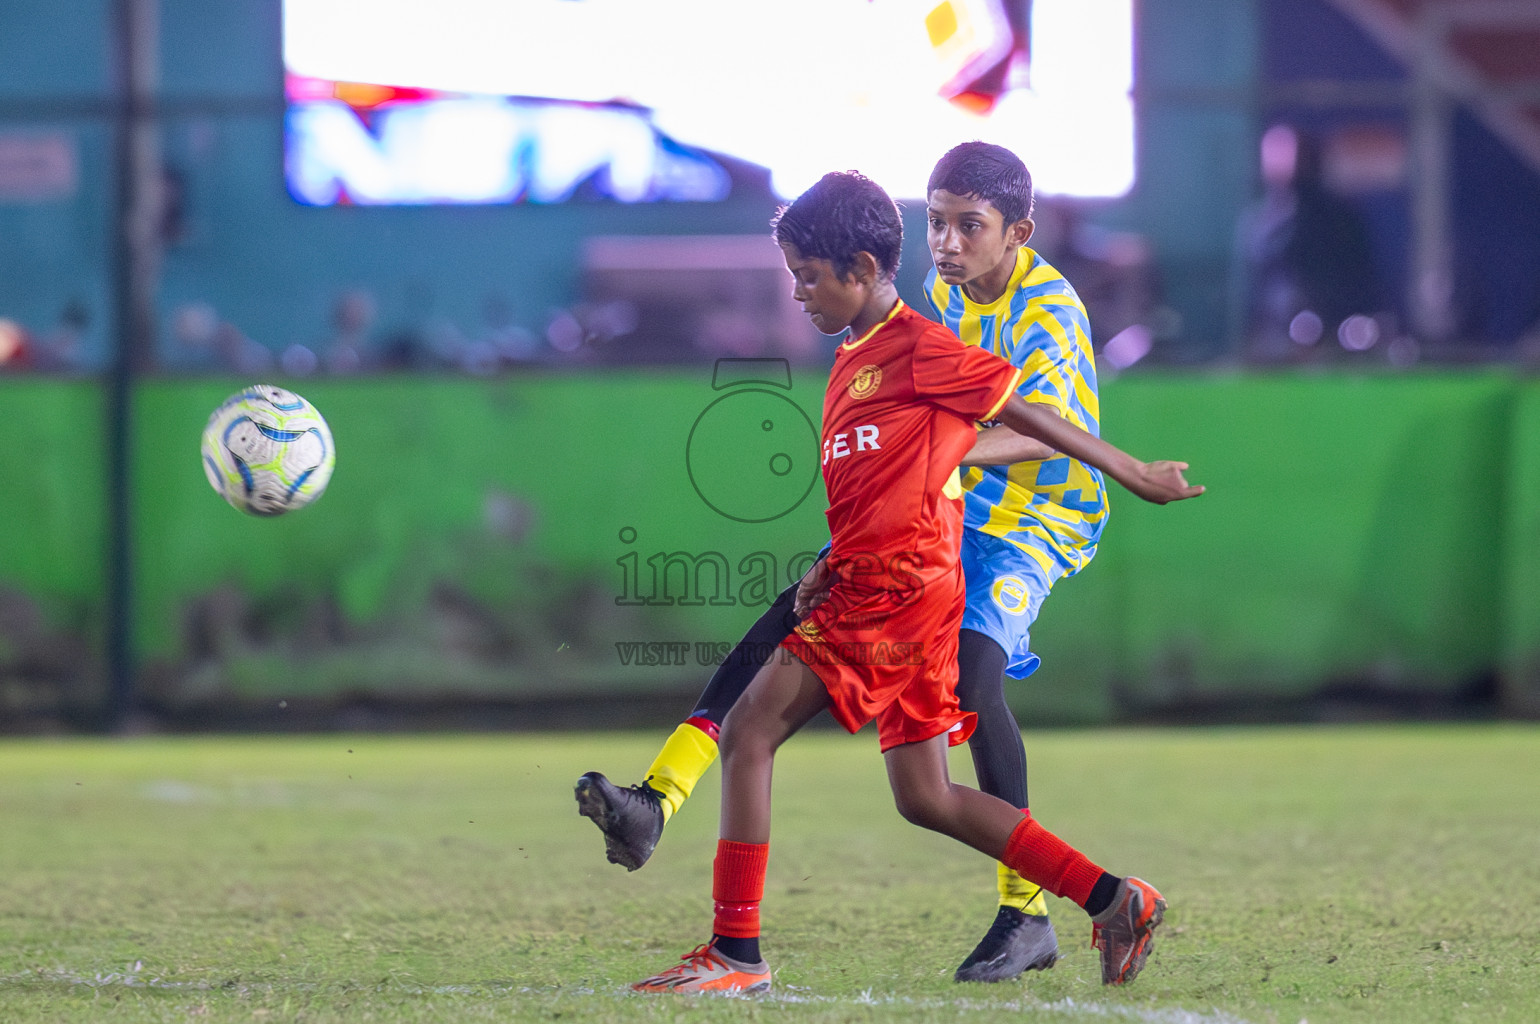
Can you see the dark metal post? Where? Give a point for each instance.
(137, 213)
(1432, 110)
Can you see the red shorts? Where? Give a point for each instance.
(891, 656)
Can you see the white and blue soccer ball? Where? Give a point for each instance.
(267, 451)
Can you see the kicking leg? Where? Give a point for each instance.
(1124, 911)
(632, 817)
(784, 696)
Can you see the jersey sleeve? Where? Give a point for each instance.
(1045, 344)
(964, 379)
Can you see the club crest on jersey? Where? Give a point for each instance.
(866, 382)
(1011, 594)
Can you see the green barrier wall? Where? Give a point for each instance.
(476, 539)
(530, 537)
(52, 474)
(1353, 532)
(1519, 579)
(51, 492)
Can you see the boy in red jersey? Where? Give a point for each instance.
(899, 415)
(1031, 515)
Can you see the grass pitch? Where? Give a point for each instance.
(1363, 874)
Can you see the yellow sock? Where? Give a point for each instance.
(1017, 892)
(685, 757)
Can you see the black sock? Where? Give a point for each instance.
(999, 758)
(740, 666)
(743, 950)
(1102, 892)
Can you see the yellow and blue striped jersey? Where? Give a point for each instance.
(1053, 509)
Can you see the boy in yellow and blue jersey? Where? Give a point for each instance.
(1028, 520)
(1032, 516)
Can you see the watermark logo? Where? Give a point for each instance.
(752, 454)
(753, 655)
(881, 587)
(695, 578)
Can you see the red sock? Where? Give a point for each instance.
(737, 886)
(1044, 858)
(706, 726)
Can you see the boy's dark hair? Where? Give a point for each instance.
(843, 214)
(980, 170)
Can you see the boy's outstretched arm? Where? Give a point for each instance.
(1159, 482)
(1002, 446)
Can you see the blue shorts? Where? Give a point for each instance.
(1006, 586)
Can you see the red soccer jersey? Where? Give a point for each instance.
(897, 418)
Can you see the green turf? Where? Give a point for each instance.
(1344, 874)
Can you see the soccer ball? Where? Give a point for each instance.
(267, 451)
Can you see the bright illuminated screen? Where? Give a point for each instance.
(484, 101)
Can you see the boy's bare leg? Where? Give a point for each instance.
(926, 796)
(783, 697)
(1124, 911)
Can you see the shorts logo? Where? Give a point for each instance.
(866, 382)
(809, 631)
(1011, 594)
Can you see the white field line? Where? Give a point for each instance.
(1068, 1008)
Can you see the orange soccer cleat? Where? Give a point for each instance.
(1122, 931)
(703, 969)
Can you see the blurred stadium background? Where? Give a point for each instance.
(516, 253)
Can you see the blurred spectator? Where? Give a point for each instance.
(240, 352)
(59, 350)
(15, 346)
(207, 342)
(298, 361)
(513, 343)
(194, 327)
(56, 350)
(1303, 264)
(352, 318)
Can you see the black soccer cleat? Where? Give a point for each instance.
(1016, 942)
(631, 818)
